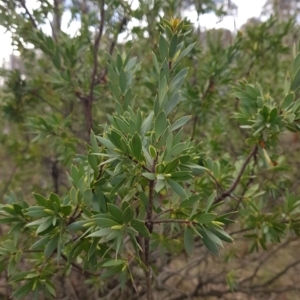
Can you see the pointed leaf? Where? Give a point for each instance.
(180, 122)
(189, 240)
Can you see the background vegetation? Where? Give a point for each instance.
(137, 196)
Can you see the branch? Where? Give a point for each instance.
(149, 224)
(209, 89)
(175, 221)
(163, 212)
(96, 48)
(88, 100)
(112, 46)
(73, 217)
(241, 230)
(264, 260)
(77, 267)
(137, 162)
(13, 173)
(278, 275)
(114, 41)
(238, 178)
(33, 22)
(215, 180)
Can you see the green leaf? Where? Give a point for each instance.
(210, 201)
(181, 176)
(251, 191)
(112, 263)
(37, 212)
(111, 272)
(11, 268)
(296, 64)
(160, 124)
(115, 212)
(163, 48)
(41, 200)
(206, 218)
(94, 143)
(173, 45)
(47, 222)
(88, 197)
(147, 124)
(154, 59)
(210, 245)
(101, 232)
(162, 91)
(122, 81)
(178, 79)
(224, 236)
(128, 215)
(214, 238)
(24, 290)
(184, 53)
(296, 81)
(9, 220)
(77, 225)
(51, 246)
(136, 146)
(152, 151)
(172, 103)
(160, 184)
(189, 240)
(175, 152)
(177, 188)
(180, 122)
(66, 210)
(115, 137)
(41, 242)
(150, 176)
(106, 143)
(50, 288)
(54, 199)
(20, 276)
(9, 245)
(105, 222)
(288, 100)
(140, 227)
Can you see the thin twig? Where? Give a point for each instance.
(149, 224)
(88, 100)
(77, 267)
(96, 48)
(162, 213)
(215, 180)
(32, 20)
(175, 221)
(238, 178)
(264, 260)
(278, 275)
(113, 45)
(111, 292)
(209, 88)
(12, 175)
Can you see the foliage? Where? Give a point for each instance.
(175, 151)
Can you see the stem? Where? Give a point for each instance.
(162, 213)
(209, 89)
(149, 224)
(31, 18)
(88, 100)
(238, 178)
(175, 221)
